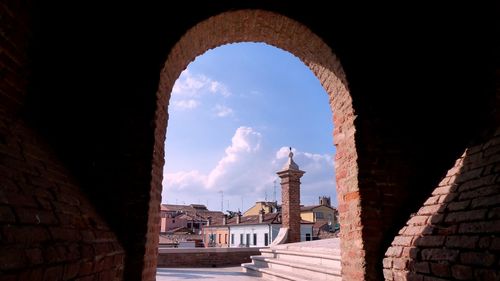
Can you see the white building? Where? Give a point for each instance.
(260, 230)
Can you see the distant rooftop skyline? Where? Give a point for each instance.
(233, 114)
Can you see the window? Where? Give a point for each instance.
(308, 236)
(266, 239)
(220, 239)
(319, 215)
(189, 225)
(248, 240)
(255, 239)
(211, 240)
(232, 239)
(241, 239)
(225, 238)
(173, 221)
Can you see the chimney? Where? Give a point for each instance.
(238, 218)
(261, 215)
(209, 221)
(224, 219)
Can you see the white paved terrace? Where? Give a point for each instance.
(236, 273)
(212, 273)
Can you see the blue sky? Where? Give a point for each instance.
(233, 114)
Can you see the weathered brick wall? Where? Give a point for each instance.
(48, 229)
(110, 150)
(455, 234)
(205, 257)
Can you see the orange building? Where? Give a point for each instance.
(216, 236)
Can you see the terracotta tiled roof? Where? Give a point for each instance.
(215, 216)
(272, 218)
(193, 212)
(182, 229)
(185, 208)
(318, 226)
(269, 203)
(175, 238)
(310, 208)
(268, 219)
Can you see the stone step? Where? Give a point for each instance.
(271, 274)
(316, 253)
(314, 270)
(280, 274)
(327, 246)
(328, 260)
(312, 260)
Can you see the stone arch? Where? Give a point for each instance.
(291, 36)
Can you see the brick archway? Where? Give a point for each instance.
(77, 125)
(289, 35)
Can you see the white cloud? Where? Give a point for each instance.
(315, 162)
(182, 180)
(319, 178)
(247, 170)
(223, 111)
(283, 152)
(185, 104)
(189, 85)
(306, 157)
(244, 168)
(235, 166)
(218, 87)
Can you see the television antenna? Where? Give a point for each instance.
(221, 200)
(274, 192)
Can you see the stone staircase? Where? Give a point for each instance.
(312, 260)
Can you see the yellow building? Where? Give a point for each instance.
(268, 207)
(318, 213)
(321, 212)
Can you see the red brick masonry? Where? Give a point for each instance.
(205, 257)
(455, 234)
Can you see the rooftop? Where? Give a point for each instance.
(271, 218)
(193, 212)
(310, 208)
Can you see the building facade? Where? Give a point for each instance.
(261, 235)
(267, 206)
(323, 212)
(250, 231)
(318, 213)
(215, 236)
